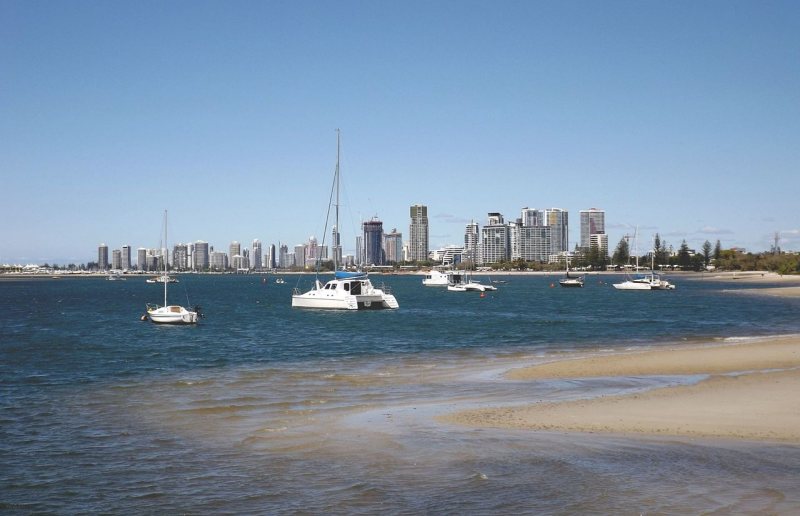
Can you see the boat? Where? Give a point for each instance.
(650, 281)
(169, 314)
(348, 290)
(280, 281)
(571, 281)
(464, 283)
(162, 279)
(437, 278)
(115, 276)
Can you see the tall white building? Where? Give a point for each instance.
(532, 217)
(126, 258)
(255, 257)
(180, 257)
(116, 259)
(471, 239)
(495, 240)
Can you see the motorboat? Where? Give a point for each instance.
(162, 279)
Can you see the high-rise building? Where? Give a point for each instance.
(102, 257)
(494, 240)
(300, 255)
(126, 258)
(471, 238)
(234, 249)
(116, 259)
(393, 246)
(141, 259)
(558, 220)
(359, 257)
(202, 256)
(593, 222)
(180, 257)
(336, 244)
(373, 242)
(534, 243)
(255, 257)
(532, 217)
(283, 256)
(272, 261)
(418, 233)
(217, 260)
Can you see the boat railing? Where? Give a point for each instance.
(296, 291)
(386, 289)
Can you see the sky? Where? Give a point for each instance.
(679, 118)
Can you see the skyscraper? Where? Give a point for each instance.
(201, 256)
(255, 258)
(272, 261)
(418, 233)
(532, 217)
(234, 249)
(393, 246)
(336, 243)
(180, 257)
(359, 257)
(558, 220)
(126, 257)
(116, 259)
(495, 240)
(471, 237)
(102, 257)
(593, 222)
(373, 242)
(141, 259)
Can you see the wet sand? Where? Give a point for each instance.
(750, 393)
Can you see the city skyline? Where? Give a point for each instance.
(679, 119)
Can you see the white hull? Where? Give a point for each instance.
(436, 279)
(349, 294)
(171, 315)
(572, 282)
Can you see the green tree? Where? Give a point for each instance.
(684, 260)
(717, 251)
(622, 254)
(706, 252)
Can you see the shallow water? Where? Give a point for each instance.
(265, 409)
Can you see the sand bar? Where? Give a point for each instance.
(762, 404)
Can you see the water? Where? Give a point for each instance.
(265, 409)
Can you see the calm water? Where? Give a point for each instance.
(265, 409)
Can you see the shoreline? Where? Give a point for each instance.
(748, 393)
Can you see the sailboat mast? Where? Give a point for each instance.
(336, 237)
(165, 258)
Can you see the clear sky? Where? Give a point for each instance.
(681, 118)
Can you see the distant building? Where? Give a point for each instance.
(599, 241)
(126, 258)
(471, 240)
(141, 259)
(373, 242)
(532, 217)
(272, 261)
(102, 257)
(448, 255)
(558, 221)
(418, 233)
(234, 249)
(336, 244)
(393, 247)
(494, 240)
(180, 257)
(116, 259)
(359, 257)
(202, 256)
(300, 255)
(283, 257)
(593, 222)
(218, 261)
(255, 257)
(534, 243)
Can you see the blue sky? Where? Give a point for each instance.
(681, 118)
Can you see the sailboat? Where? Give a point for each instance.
(650, 281)
(169, 314)
(347, 290)
(570, 281)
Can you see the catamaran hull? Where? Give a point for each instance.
(322, 302)
(632, 285)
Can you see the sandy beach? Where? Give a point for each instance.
(750, 393)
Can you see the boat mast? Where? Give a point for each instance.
(336, 237)
(165, 258)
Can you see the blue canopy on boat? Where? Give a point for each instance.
(350, 275)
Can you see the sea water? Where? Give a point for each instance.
(262, 408)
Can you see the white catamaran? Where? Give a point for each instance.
(169, 314)
(347, 290)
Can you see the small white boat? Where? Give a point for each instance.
(162, 279)
(280, 281)
(168, 314)
(651, 281)
(437, 278)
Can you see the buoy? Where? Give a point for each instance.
(552, 285)
(483, 294)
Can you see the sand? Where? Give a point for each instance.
(752, 392)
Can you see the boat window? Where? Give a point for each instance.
(356, 290)
(346, 287)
